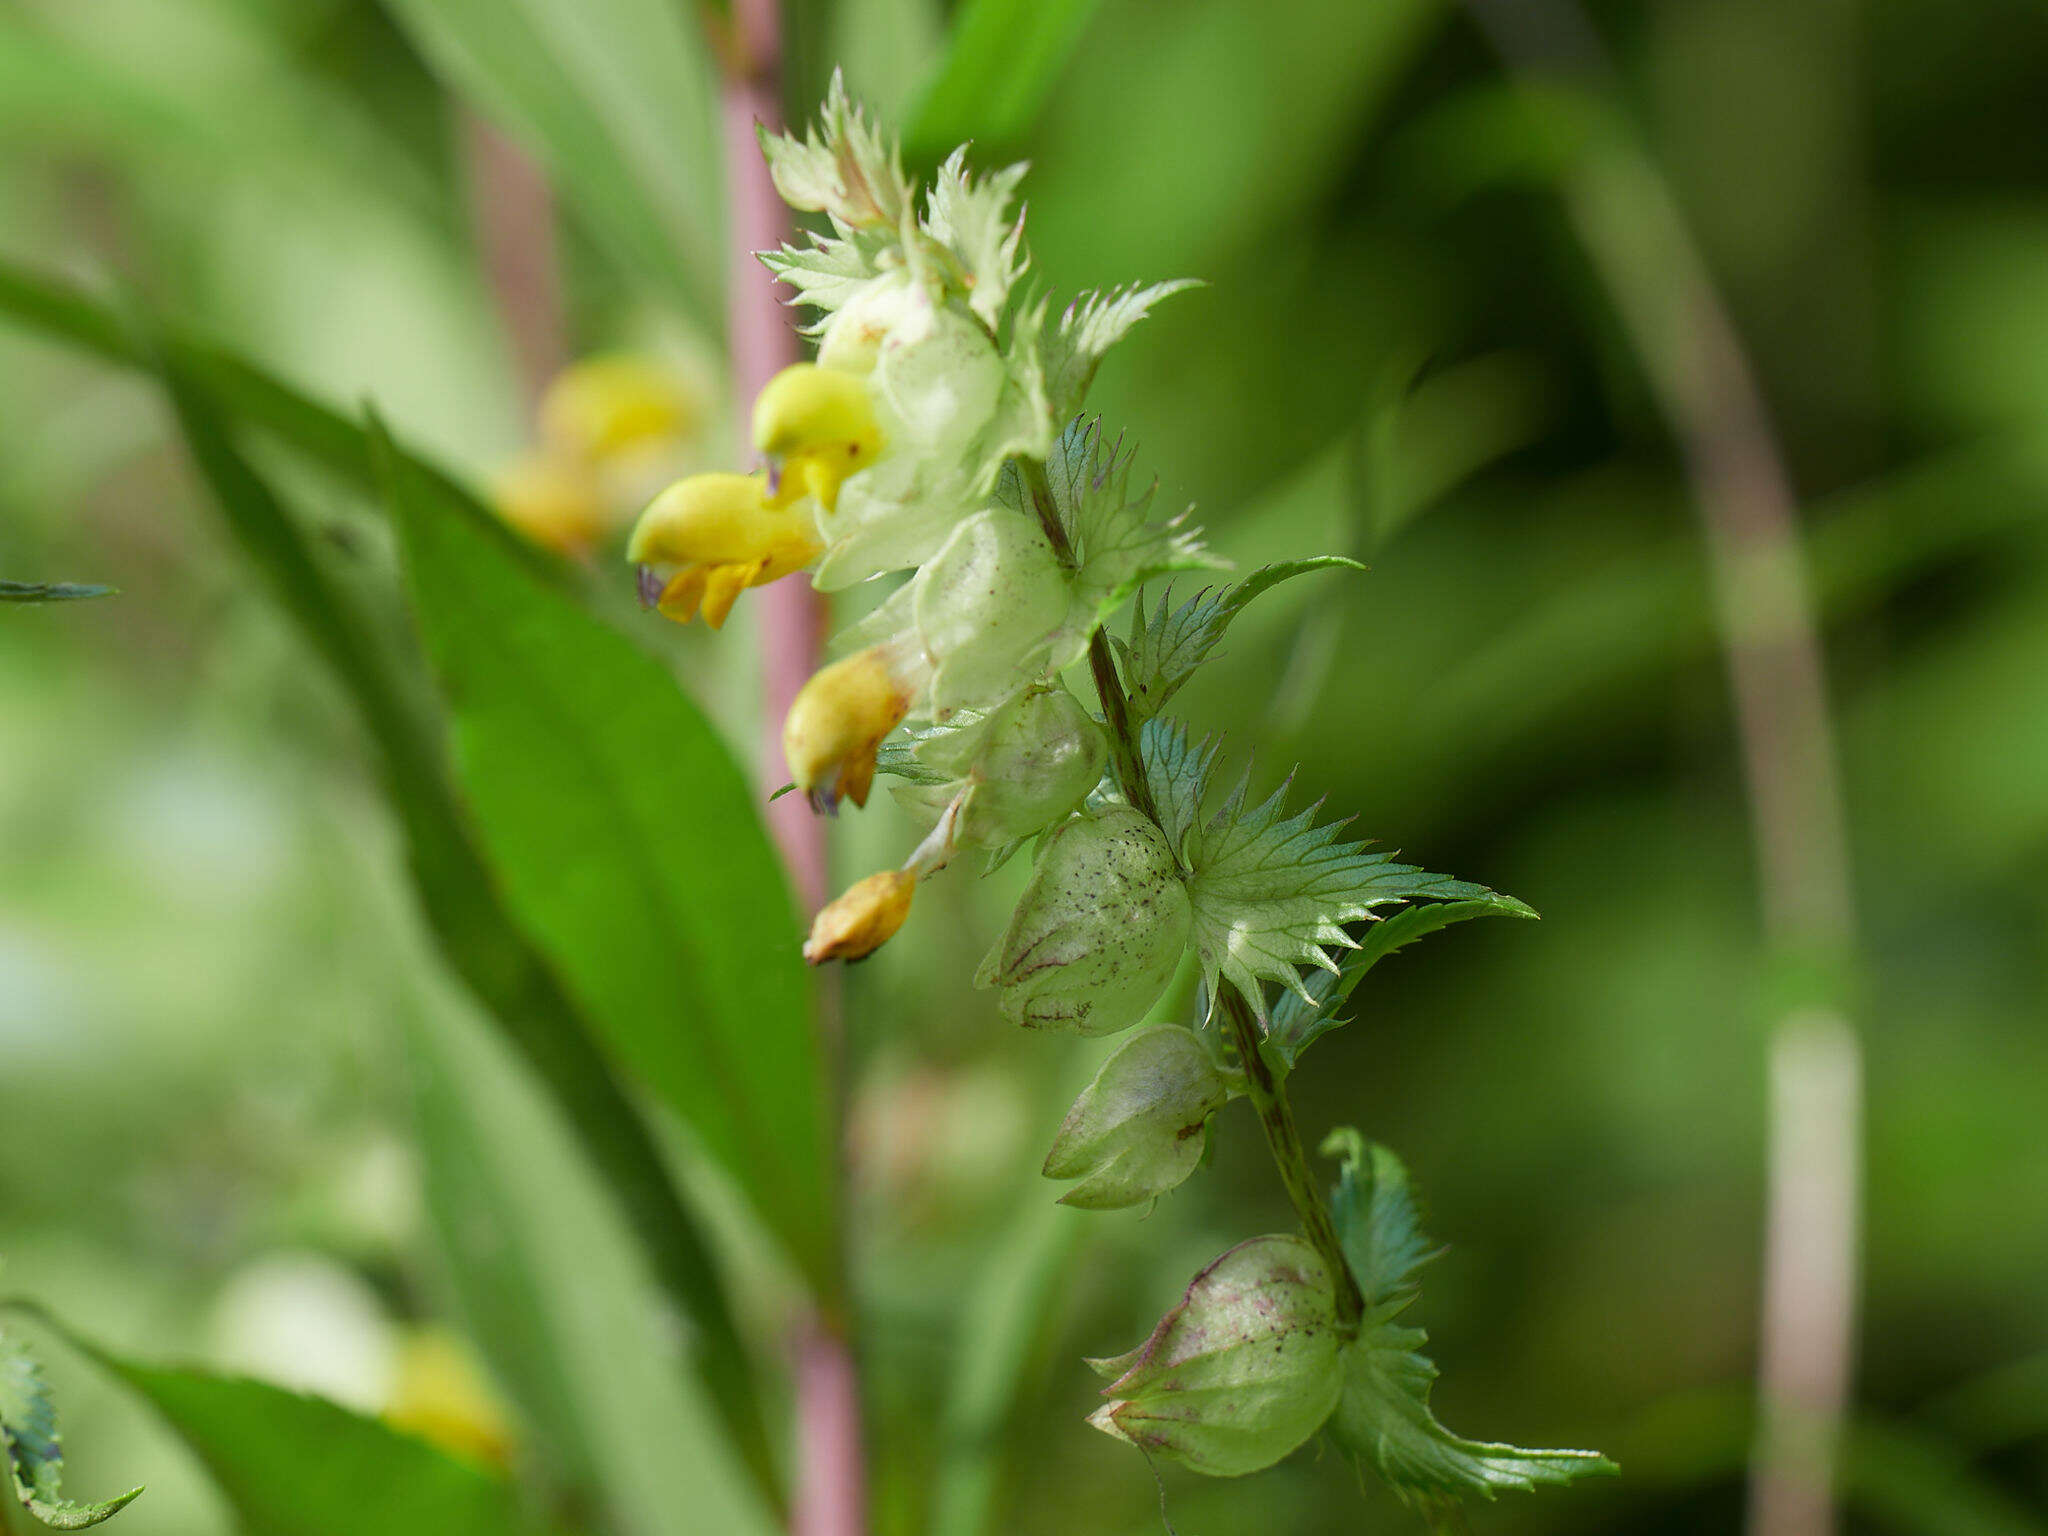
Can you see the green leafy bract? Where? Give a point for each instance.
(1090, 326)
(35, 1459)
(1116, 543)
(1301, 1018)
(1177, 768)
(843, 168)
(1168, 645)
(973, 220)
(1272, 892)
(1382, 1417)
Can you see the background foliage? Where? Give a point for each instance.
(243, 1103)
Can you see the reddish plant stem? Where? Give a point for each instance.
(1629, 223)
(512, 210)
(830, 1496)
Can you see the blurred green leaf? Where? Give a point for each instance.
(1912, 1483)
(627, 842)
(61, 311)
(1005, 1319)
(460, 896)
(618, 99)
(1001, 62)
(29, 1440)
(549, 1285)
(51, 591)
(292, 1465)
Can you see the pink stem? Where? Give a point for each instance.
(1635, 236)
(830, 1498)
(512, 210)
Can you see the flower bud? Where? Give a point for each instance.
(710, 537)
(555, 501)
(817, 426)
(1138, 1130)
(616, 405)
(1242, 1371)
(1098, 932)
(837, 721)
(983, 608)
(857, 923)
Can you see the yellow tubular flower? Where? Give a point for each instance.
(861, 921)
(554, 501)
(817, 426)
(616, 404)
(836, 722)
(710, 537)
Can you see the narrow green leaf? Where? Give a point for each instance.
(292, 1465)
(1298, 1021)
(1001, 63)
(63, 312)
(461, 902)
(1009, 1312)
(619, 100)
(627, 843)
(29, 1442)
(51, 591)
(548, 1283)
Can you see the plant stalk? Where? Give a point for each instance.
(1264, 1087)
(1635, 237)
(830, 1496)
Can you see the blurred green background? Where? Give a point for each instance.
(221, 1029)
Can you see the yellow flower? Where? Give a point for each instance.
(616, 405)
(817, 426)
(440, 1395)
(836, 722)
(555, 501)
(710, 537)
(861, 921)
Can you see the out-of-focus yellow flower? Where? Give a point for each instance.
(439, 1394)
(817, 426)
(837, 721)
(710, 537)
(859, 922)
(614, 405)
(555, 500)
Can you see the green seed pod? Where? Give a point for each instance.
(1099, 930)
(1029, 765)
(1138, 1130)
(984, 607)
(939, 376)
(1242, 1371)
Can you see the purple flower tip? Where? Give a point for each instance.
(650, 587)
